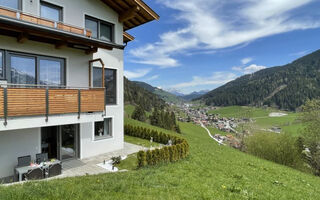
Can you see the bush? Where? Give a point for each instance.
(279, 148)
(175, 152)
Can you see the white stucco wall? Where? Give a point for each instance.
(14, 144)
(76, 75)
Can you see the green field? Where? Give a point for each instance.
(210, 172)
(139, 141)
(288, 123)
(241, 111)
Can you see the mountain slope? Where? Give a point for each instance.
(136, 95)
(194, 95)
(286, 87)
(166, 96)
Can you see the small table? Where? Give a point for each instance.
(25, 169)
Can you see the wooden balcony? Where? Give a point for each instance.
(25, 26)
(22, 101)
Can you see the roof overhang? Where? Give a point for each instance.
(132, 13)
(31, 31)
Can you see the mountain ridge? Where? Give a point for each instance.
(301, 77)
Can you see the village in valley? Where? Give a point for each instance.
(228, 126)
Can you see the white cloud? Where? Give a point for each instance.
(216, 79)
(154, 77)
(300, 53)
(218, 24)
(137, 73)
(249, 69)
(246, 60)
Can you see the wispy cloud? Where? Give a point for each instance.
(246, 60)
(249, 69)
(300, 53)
(154, 77)
(209, 25)
(137, 73)
(216, 79)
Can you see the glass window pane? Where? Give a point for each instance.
(108, 127)
(103, 129)
(98, 129)
(1, 63)
(105, 32)
(23, 70)
(111, 86)
(50, 72)
(14, 4)
(96, 76)
(93, 26)
(51, 12)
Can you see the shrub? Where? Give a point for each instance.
(279, 148)
(177, 151)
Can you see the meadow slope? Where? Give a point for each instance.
(210, 172)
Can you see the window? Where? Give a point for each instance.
(100, 29)
(96, 74)
(111, 86)
(110, 77)
(23, 69)
(33, 69)
(51, 71)
(50, 11)
(14, 4)
(103, 129)
(1, 64)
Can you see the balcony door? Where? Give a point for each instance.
(33, 69)
(68, 142)
(61, 142)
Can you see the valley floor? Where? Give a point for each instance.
(211, 171)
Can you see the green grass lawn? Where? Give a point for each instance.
(241, 111)
(210, 172)
(128, 110)
(139, 141)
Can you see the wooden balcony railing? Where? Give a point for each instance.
(44, 22)
(24, 100)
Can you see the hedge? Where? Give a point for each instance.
(170, 153)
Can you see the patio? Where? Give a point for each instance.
(89, 166)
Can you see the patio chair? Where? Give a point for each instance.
(24, 161)
(34, 174)
(41, 157)
(54, 170)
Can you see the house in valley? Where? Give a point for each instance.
(61, 70)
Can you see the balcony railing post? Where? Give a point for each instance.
(5, 105)
(79, 103)
(47, 104)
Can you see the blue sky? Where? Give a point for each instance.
(203, 44)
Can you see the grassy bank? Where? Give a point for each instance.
(210, 172)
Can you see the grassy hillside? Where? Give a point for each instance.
(210, 172)
(241, 111)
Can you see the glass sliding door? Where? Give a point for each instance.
(23, 69)
(69, 144)
(51, 71)
(1, 64)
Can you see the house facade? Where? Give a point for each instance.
(61, 76)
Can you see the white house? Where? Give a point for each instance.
(61, 71)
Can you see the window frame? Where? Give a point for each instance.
(115, 74)
(99, 22)
(54, 6)
(104, 137)
(7, 66)
(19, 6)
(3, 65)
